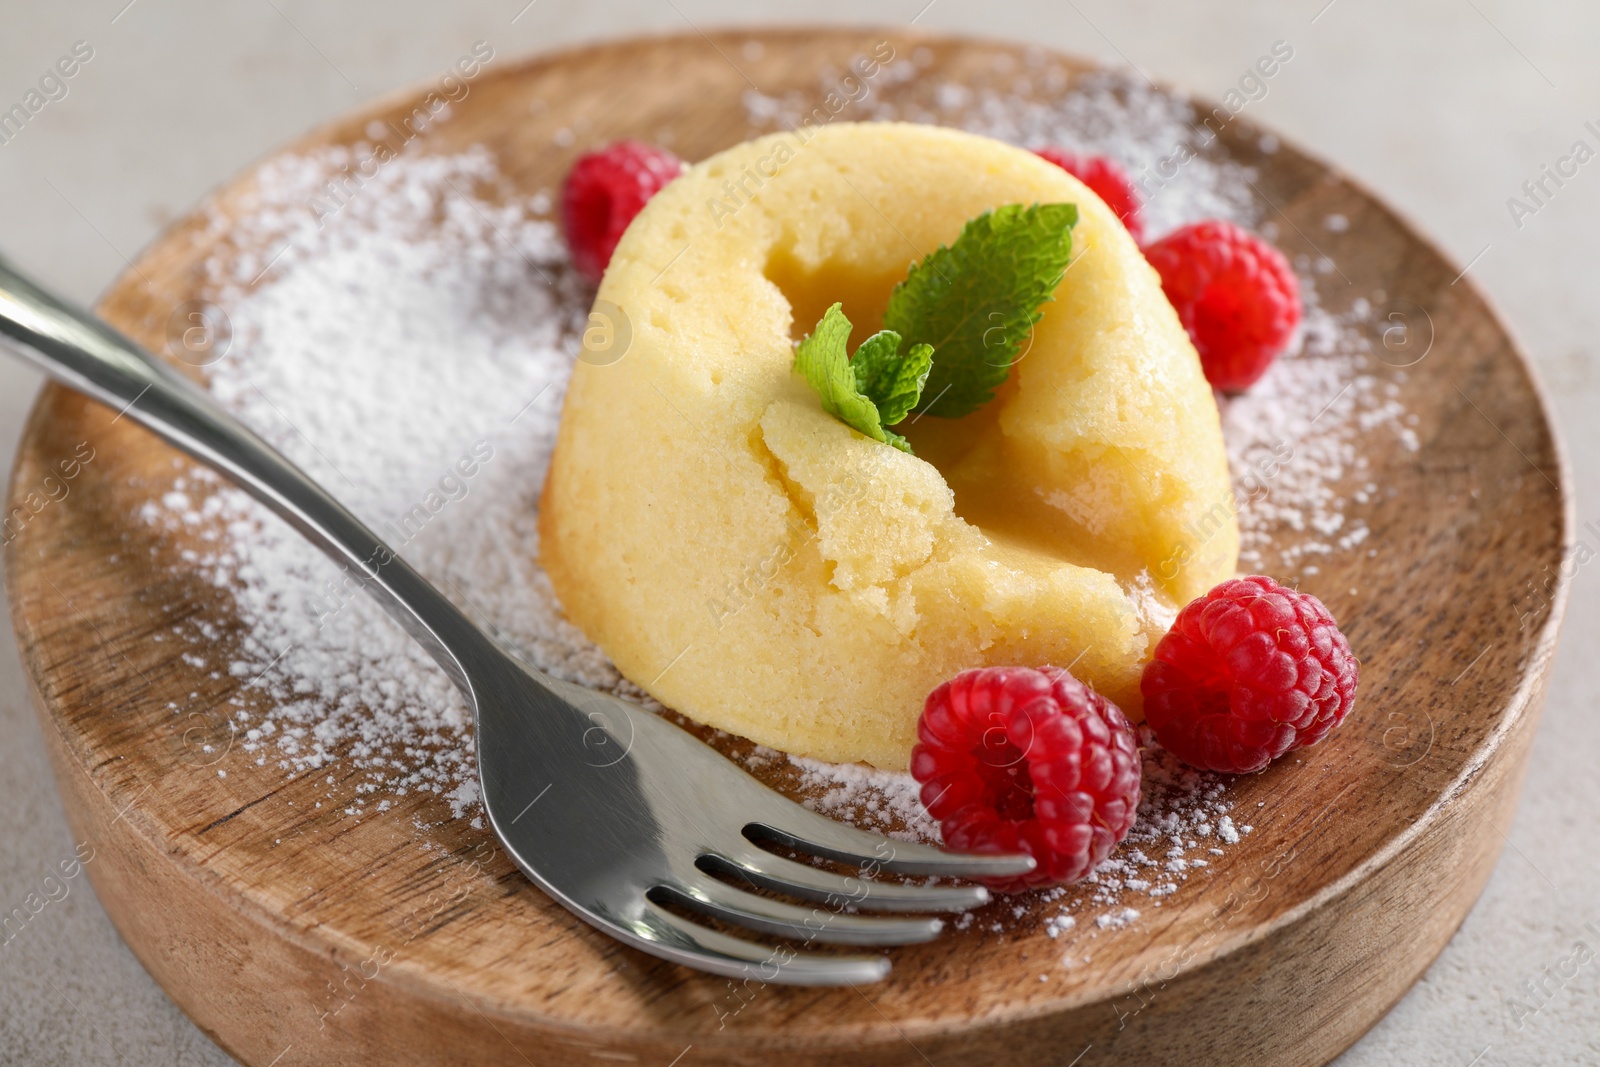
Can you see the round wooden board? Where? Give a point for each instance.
(260, 913)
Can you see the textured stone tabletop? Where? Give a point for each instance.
(1444, 107)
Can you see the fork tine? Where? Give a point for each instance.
(807, 831)
(735, 957)
(786, 876)
(825, 926)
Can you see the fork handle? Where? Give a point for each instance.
(82, 352)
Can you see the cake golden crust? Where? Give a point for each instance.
(761, 567)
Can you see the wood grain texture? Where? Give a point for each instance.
(260, 913)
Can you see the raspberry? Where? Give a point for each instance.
(1248, 672)
(603, 192)
(1234, 293)
(1108, 180)
(1013, 759)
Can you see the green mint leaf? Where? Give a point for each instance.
(891, 381)
(899, 442)
(822, 361)
(976, 301)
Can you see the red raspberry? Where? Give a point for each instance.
(1013, 759)
(1248, 672)
(1234, 293)
(1108, 180)
(604, 191)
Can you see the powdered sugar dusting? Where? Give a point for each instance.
(1294, 442)
(410, 353)
(889, 802)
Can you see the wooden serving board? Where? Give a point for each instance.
(261, 913)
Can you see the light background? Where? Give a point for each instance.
(1444, 107)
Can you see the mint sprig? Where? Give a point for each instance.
(976, 301)
(961, 316)
(876, 389)
(893, 382)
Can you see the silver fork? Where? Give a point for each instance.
(615, 812)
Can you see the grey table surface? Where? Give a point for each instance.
(1445, 107)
